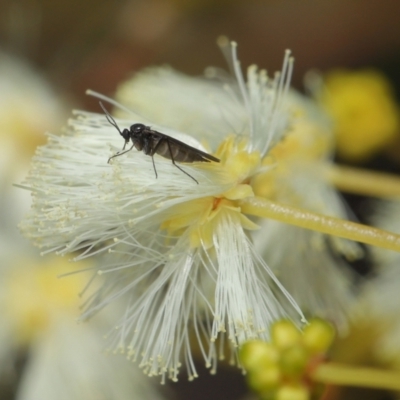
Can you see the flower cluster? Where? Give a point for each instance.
(282, 369)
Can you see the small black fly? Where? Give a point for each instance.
(152, 142)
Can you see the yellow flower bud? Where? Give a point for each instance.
(265, 379)
(294, 360)
(318, 336)
(292, 392)
(258, 355)
(284, 334)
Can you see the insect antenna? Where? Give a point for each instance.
(110, 119)
(112, 122)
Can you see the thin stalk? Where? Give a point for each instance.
(264, 208)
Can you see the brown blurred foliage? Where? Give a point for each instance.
(97, 43)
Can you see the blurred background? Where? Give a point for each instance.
(97, 44)
(75, 45)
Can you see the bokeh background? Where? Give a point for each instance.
(80, 44)
(96, 44)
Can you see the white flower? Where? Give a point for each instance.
(200, 270)
(181, 254)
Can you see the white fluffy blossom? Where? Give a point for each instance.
(181, 254)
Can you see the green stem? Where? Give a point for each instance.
(264, 208)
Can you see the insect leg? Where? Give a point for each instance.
(173, 160)
(149, 151)
(121, 152)
(154, 165)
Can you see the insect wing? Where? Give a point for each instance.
(169, 147)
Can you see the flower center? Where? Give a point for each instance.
(201, 216)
